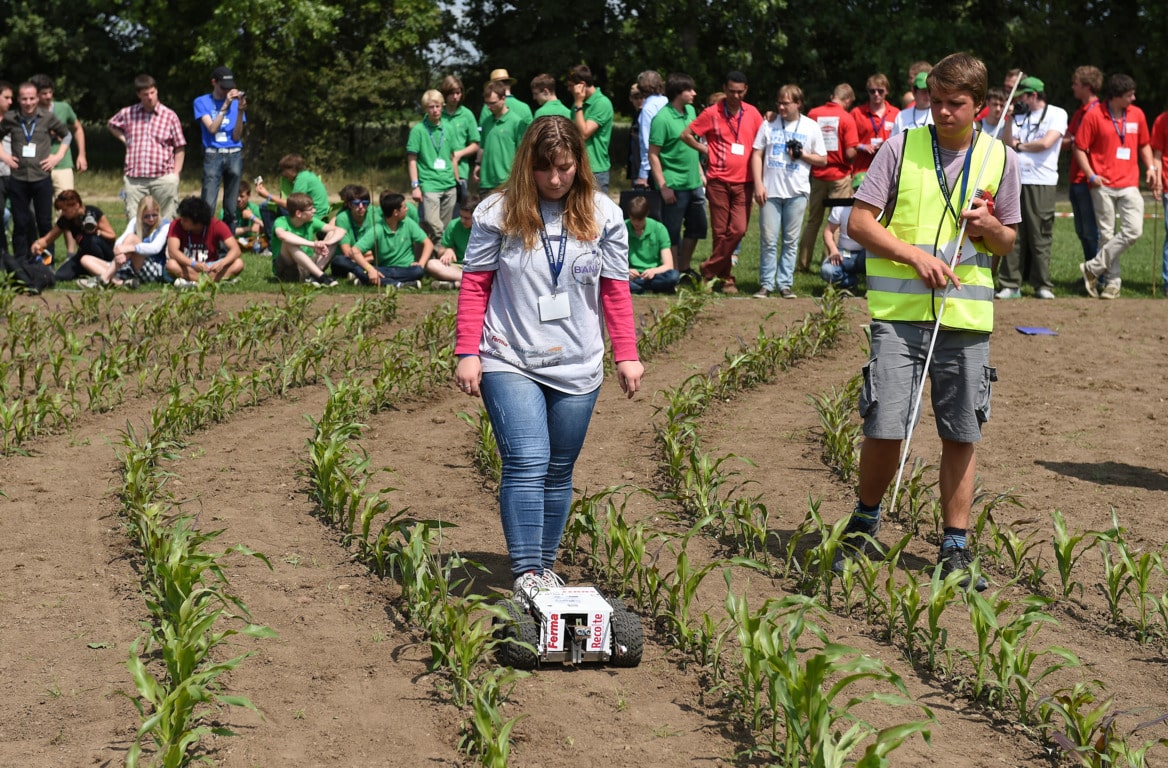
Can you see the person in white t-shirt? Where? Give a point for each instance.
(785, 148)
(920, 112)
(843, 259)
(1036, 134)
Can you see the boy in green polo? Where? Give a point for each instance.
(650, 257)
(306, 243)
(387, 252)
(446, 269)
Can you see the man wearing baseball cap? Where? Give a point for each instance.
(220, 115)
(1036, 134)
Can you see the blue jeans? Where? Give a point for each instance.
(397, 275)
(847, 273)
(665, 282)
(602, 180)
(779, 214)
(1084, 213)
(540, 431)
(226, 170)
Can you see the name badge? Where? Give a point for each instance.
(221, 137)
(439, 164)
(738, 149)
(28, 151)
(1123, 153)
(554, 307)
(877, 141)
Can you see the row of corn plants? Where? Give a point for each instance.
(457, 627)
(175, 666)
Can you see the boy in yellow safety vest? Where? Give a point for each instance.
(907, 215)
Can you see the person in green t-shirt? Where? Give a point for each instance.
(676, 170)
(294, 177)
(543, 90)
(452, 92)
(502, 129)
(387, 251)
(63, 171)
(650, 258)
(300, 233)
(434, 147)
(593, 114)
(446, 267)
(249, 228)
(356, 217)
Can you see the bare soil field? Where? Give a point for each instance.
(1079, 425)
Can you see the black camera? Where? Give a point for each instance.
(795, 149)
(89, 224)
(1020, 109)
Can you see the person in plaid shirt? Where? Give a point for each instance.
(155, 148)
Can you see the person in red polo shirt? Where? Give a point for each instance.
(728, 128)
(873, 122)
(1113, 135)
(1159, 147)
(834, 179)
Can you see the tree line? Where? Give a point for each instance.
(335, 79)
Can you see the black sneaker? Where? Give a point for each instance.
(959, 559)
(853, 543)
(325, 280)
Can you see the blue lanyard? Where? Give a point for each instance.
(941, 173)
(441, 136)
(555, 263)
(28, 132)
(1121, 128)
(729, 118)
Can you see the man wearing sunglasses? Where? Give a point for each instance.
(873, 122)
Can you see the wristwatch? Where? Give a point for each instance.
(415, 184)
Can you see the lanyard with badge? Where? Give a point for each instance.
(439, 163)
(737, 148)
(29, 149)
(940, 169)
(1121, 152)
(554, 307)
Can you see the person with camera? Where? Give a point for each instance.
(31, 129)
(221, 115)
(785, 150)
(93, 262)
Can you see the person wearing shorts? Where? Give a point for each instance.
(676, 170)
(909, 228)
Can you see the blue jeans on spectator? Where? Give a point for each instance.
(1084, 213)
(847, 273)
(268, 216)
(664, 282)
(540, 431)
(399, 275)
(602, 179)
(785, 215)
(226, 169)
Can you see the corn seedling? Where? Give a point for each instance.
(1090, 734)
(841, 435)
(1065, 556)
(486, 451)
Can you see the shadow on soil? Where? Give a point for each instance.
(1111, 473)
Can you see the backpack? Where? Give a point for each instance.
(30, 275)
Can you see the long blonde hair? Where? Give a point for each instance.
(148, 203)
(546, 141)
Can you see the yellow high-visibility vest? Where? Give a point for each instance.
(895, 290)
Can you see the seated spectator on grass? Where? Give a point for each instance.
(92, 232)
(249, 224)
(294, 177)
(356, 217)
(446, 267)
(843, 261)
(306, 243)
(140, 253)
(650, 257)
(198, 244)
(387, 251)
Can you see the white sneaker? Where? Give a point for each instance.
(550, 579)
(1009, 293)
(442, 285)
(182, 283)
(528, 585)
(1044, 293)
(88, 283)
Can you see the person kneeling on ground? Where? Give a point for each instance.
(140, 253)
(843, 263)
(199, 244)
(94, 235)
(298, 233)
(650, 257)
(386, 251)
(446, 267)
